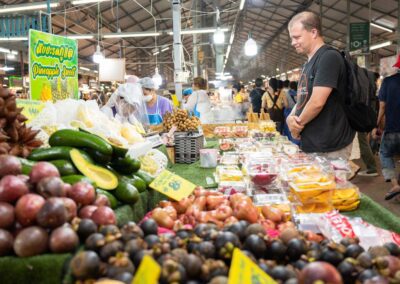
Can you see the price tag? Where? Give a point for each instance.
(30, 108)
(148, 272)
(172, 185)
(244, 270)
(155, 140)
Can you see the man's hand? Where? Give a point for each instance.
(295, 126)
(376, 133)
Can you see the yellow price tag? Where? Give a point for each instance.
(244, 270)
(30, 108)
(148, 272)
(172, 185)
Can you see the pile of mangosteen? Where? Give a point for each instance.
(204, 254)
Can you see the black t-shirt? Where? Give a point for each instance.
(329, 130)
(256, 96)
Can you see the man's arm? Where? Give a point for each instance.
(381, 114)
(293, 123)
(315, 104)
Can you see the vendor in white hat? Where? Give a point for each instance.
(157, 106)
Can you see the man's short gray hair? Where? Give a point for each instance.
(309, 20)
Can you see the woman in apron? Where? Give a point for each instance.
(157, 106)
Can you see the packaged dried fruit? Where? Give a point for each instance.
(315, 192)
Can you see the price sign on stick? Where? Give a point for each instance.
(244, 270)
(172, 185)
(148, 272)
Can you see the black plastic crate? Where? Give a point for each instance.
(187, 147)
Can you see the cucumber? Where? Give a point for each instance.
(126, 165)
(110, 197)
(75, 138)
(72, 179)
(65, 167)
(144, 176)
(26, 165)
(52, 153)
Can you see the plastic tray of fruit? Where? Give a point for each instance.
(345, 194)
(229, 158)
(262, 173)
(223, 131)
(230, 175)
(240, 131)
(226, 144)
(232, 187)
(312, 207)
(316, 192)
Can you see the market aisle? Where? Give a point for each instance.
(376, 187)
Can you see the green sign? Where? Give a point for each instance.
(53, 67)
(359, 37)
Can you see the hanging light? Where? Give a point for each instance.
(157, 79)
(219, 36)
(250, 47)
(98, 55)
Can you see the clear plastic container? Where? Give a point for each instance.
(208, 158)
(312, 207)
(230, 175)
(314, 192)
(223, 131)
(263, 173)
(229, 158)
(231, 187)
(226, 144)
(346, 195)
(240, 131)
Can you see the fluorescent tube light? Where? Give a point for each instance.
(380, 45)
(164, 49)
(26, 7)
(156, 53)
(84, 68)
(381, 27)
(80, 36)
(82, 2)
(200, 31)
(241, 4)
(19, 38)
(6, 68)
(137, 34)
(289, 72)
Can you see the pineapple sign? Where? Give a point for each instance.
(53, 67)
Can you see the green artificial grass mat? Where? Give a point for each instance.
(41, 269)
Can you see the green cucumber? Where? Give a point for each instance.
(144, 176)
(126, 165)
(52, 153)
(26, 165)
(72, 179)
(110, 197)
(65, 167)
(75, 138)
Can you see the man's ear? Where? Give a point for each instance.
(314, 33)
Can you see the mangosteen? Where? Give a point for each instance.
(332, 256)
(265, 267)
(238, 229)
(256, 245)
(348, 241)
(119, 264)
(109, 230)
(172, 272)
(137, 259)
(95, 242)
(244, 223)
(367, 274)
(184, 234)
(365, 259)
(176, 243)
(354, 250)
(255, 229)
(277, 250)
(131, 231)
(392, 248)
(314, 246)
(192, 264)
(225, 243)
(203, 230)
(292, 281)
(314, 254)
(85, 264)
(299, 264)
(192, 246)
(376, 251)
(348, 271)
(250, 255)
(219, 280)
(296, 248)
(86, 227)
(111, 249)
(149, 227)
(206, 249)
(124, 277)
(280, 272)
(134, 246)
(151, 240)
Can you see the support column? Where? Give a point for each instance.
(176, 20)
(348, 26)
(49, 14)
(196, 41)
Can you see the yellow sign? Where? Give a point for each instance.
(31, 108)
(172, 185)
(244, 270)
(148, 272)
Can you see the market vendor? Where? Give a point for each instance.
(157, 106)
(186, 93)
(198, 102)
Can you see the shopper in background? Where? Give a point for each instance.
(198, 102)
(389, 106)
(186, 93)
(157, 106)
(318, 118)
(272, 103)
(289, 101)
(256, 96)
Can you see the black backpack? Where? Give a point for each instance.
(360, 91)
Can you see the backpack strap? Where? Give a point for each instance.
(274, 100)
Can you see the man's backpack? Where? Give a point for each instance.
(360, 90)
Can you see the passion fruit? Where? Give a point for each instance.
(85, 265)
(63, 239)
(31, 241)
(6, 242)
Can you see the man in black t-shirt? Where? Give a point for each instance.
(256, 96)
(318, 118)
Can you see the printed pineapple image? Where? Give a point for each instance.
(45, 94)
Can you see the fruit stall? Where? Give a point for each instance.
(83, 198)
